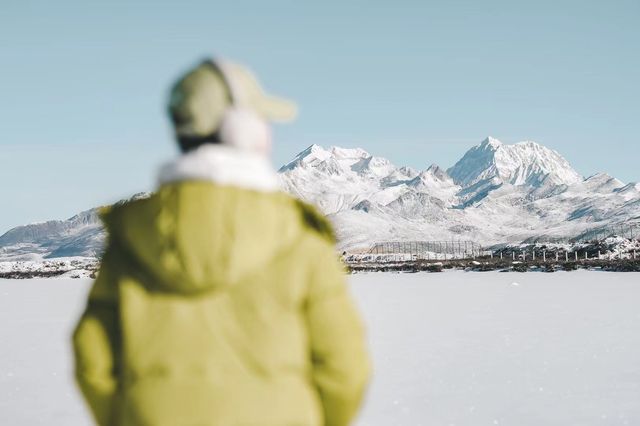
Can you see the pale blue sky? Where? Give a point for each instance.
(83, 84)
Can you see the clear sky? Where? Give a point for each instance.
(84, 84)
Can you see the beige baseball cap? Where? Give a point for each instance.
(200, 98)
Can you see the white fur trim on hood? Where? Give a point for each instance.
(223, 165)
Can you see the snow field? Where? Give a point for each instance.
(36, 383)
(493, 348)
(450, 348)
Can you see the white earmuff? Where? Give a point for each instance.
(246, 130)
(241, 127)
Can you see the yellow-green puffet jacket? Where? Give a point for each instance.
(220, 305)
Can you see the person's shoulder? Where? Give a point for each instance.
(314, 222)
(310, 218)
(113, 213)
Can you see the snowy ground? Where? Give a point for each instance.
(493, 348)
(449, 348)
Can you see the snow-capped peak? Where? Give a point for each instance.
(490, 141)
(523, 163)
(348, 153)
(600, 179)
(438, 173)
(311, 155)
(315, 154)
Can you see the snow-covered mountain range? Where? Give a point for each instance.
(79, 236)
(495, 193)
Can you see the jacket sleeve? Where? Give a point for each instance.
(341, 366)
(96, 344)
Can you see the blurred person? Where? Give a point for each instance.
(220, 300)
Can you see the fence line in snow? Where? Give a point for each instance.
(457, 250)
(429, 249)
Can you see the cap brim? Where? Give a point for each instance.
(277, 109)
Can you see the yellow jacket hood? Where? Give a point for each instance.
(171, 235)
